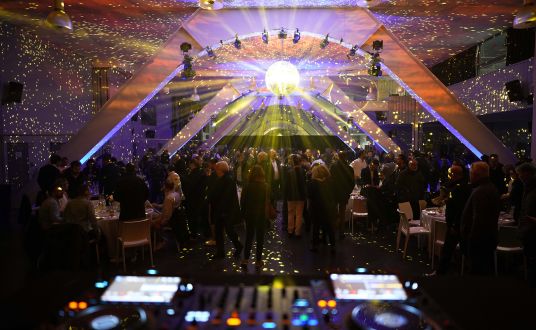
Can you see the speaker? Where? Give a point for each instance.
(150, 134)
(514, 91)
(381, 116)
(12, 92)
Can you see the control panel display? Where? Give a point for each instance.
(141, 289)
(367, 287)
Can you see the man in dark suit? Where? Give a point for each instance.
(342, 176)
(131, 192)
(49, 173)
(479, 225)
(225, 209)
(458, 193)
(369, 175)
(411, 186)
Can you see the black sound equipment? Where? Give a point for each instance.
(514, 91)
(12, 92)
(342, 301)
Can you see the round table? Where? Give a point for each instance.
(108, 222)
(431, 215)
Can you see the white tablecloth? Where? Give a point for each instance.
(431, 215)
(108, 222)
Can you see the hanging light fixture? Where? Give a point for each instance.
(58, 19)
(526, 16)
(368, 3)
(211, 4)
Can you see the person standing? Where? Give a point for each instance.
(255, 199)
(458, 192)
(49, 173)
(527, 174)
(496, 174)
(131, 193)
(358, 165)
(411, 186)
(75, 177)
(342, 177)
(295, 196)
(225, 209)
(322, 205)
(479, 223)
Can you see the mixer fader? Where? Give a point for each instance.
(343, 301)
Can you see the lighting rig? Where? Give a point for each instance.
(188, 71)
(325, 42)
(264, 36)
(297, 36)
(375, 67)
(282, 34)
(237, 43)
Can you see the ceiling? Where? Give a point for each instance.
(130, 31)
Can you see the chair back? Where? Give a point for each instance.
(406, 209)
(508, 237)
(135, 230)
(422, 204)
(359, 205)
(404, 223)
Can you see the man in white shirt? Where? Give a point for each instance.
(357, 165)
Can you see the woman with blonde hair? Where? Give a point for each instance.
(322, 206)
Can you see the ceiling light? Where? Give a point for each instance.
(282, 78)
(526, 16)
(282, 34)
(211, 4)
(59, 19)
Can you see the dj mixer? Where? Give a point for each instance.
(339, 301)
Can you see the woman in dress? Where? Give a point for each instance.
(322, 205)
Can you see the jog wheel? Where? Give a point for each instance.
(110, 317)
(388, 316)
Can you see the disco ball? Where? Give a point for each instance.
(282, 78)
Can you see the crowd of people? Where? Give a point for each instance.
(205, 193)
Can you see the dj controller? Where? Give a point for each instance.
(338, 301)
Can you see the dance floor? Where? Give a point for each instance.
(284, 255)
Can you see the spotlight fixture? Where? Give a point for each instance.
(368, 3)
(185, 47)
(375, 67)
(325, 42)
(211, 4)
(188, 70)
(210, 52)
(58, 19)
(352, 51)
(282, 34)
(297, 36)
(264, 36)
(377, 45)
(526, 16)
(237, 43)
